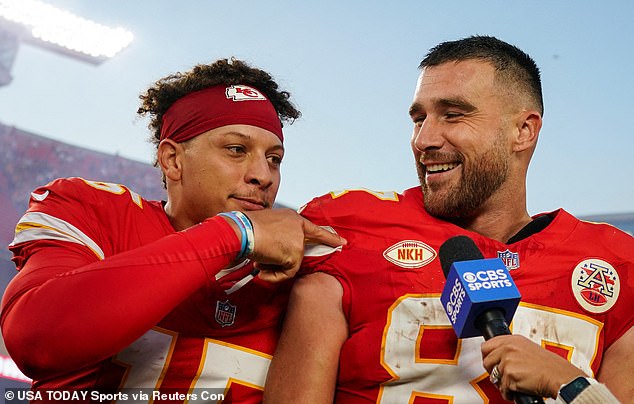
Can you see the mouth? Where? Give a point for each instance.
(435, 168)
(249, 203)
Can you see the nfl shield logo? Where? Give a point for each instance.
(225, 313)
(510, 259)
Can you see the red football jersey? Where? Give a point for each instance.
(573, 277)
(220, 336)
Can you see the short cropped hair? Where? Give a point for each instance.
(512, 65)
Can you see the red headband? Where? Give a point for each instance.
(218, 106)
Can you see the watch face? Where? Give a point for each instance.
(573, 389)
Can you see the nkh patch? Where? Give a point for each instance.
(410, 254)
(243, 93)
(225, 313)
(596, 285)
(511, 260)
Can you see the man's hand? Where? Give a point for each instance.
(280, 235)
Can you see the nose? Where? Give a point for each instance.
(259, 172)
(427, 135)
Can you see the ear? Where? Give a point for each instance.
(169, 159)
(529, 123)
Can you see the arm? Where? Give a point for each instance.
(617, 367)
(79, 311)
(304, 367)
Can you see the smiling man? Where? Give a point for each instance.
(368, 326)
(117, 292)
(468, 164)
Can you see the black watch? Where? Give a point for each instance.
(570, 391)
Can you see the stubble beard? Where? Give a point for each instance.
(478, 182)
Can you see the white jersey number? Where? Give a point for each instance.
(222, 365)
(440, 379)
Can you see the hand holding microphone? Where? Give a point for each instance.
(527, 365)
(479, 297)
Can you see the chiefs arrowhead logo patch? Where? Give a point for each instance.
(596, 285)
(410, 254)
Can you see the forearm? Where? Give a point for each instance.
(90, 313)
(617, 367)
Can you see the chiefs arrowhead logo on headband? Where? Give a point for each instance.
(244, 93)
(217, 106)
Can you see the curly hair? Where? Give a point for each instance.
(163, 93)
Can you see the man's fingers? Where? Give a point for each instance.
(280, 241)
(274, 273)
(317, 234)
(492, 344)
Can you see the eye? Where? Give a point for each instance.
(275, 159)
(418, 119)
(453, 115)
(236, 149)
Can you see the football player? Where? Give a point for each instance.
(116, 292)
(369, 325)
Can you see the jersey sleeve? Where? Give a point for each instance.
(316, 255)
(78, 297)
(355, 214)
(621, 317)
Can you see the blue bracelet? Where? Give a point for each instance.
(247, 238)
(248, 227)
(243, 231)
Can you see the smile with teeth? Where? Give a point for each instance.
(437, 168)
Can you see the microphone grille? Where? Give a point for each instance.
(458, 248)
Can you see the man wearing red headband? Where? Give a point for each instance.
(121, 295)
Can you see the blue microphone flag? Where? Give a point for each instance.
(475, 286)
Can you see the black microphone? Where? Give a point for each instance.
(479, 296)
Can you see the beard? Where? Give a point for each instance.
(478, 182)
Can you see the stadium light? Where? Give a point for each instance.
(46, 26)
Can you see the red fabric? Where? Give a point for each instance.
(213, 107)
(401, 347)
(145, 315)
